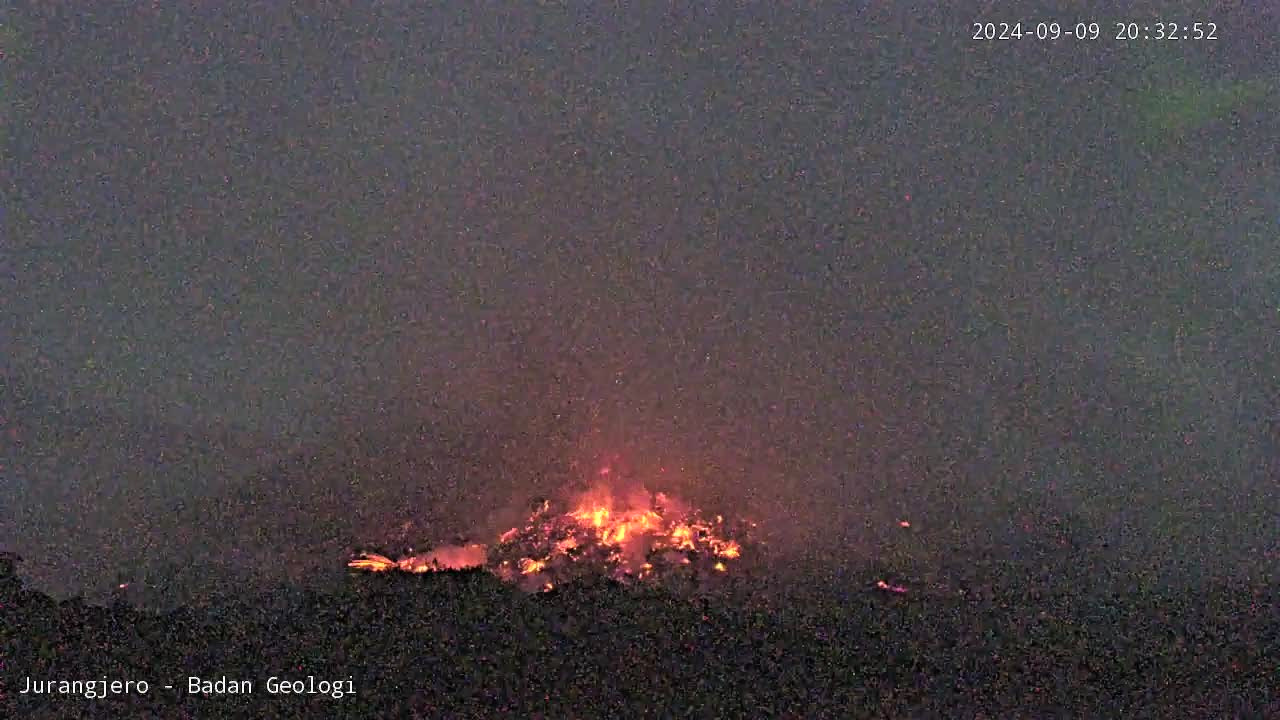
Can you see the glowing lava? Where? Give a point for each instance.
(445, 558)
(629, 537)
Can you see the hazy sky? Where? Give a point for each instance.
(831, 267)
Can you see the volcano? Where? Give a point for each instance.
(632, 536)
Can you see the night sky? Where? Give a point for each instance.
(279, 282)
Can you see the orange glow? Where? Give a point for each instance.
(373, 562)
(882, 585)
(631, 535)
(445, 558)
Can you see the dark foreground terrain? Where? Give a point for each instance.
(462, 644)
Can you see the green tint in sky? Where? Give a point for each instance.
(1179, 99)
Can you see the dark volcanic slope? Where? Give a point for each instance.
(88, 490)
(95, 497)
(463, 645)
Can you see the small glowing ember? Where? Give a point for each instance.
(637, 537)
(882, 585)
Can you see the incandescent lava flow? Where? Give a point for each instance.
(632, 536)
